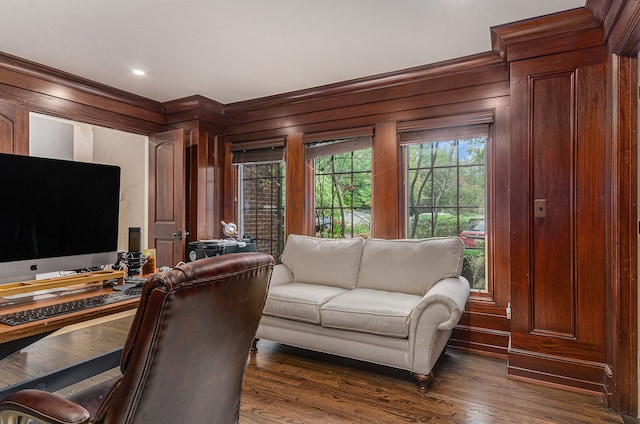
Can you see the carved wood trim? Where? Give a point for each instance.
(46, 80)
(473, 63)
(194, 107)
(621, 24)
(556, 33)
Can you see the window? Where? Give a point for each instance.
(342, 183)
(445, 177)
(261, 195)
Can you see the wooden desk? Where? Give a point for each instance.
(15, 338)
(71, 287)
(9, 333)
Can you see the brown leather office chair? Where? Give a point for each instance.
(185, 356)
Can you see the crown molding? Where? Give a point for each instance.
(465, 64)
(621, 24)
(556, 33)
(34, 74)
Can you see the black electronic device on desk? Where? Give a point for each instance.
(208, 248)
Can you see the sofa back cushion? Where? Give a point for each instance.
(409, 266)
(331, 262)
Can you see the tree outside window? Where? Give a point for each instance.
(343, 194)
(446, 192)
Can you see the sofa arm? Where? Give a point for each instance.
(42, 406)
(432, 321)
(281, 275)
(450, 296)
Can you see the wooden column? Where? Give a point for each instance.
(299, 215)
(385, 210)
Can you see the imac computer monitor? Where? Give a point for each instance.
(56, 215)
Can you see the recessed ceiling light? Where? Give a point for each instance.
(137, 72)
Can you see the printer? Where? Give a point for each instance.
(207, 248)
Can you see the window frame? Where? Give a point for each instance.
(331, 143)
(269, 151)
(431, 129)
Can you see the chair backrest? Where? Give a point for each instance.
(186, 353)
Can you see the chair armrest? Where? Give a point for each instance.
(281, 275)
(42, 406)
(450, 296)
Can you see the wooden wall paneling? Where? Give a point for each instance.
(621, 24)
(499, 183)
(559, 259)
(87, 113)
(299, 189)
(375, 109)
(13, 128)
(204, 184)
(484, 327)
(552, 285)
(194, 108)
(592, 208)
(418, 112)
(202, 119)
(36, 78)
(192, 137)
(622, 294)
(33, 87)
(210, 184)
(558, 371)
(485, 67)
(228, 184)
(482, 330)
(573, 30)
(6, 129)
(386, 208)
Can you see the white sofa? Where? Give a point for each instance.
(389, 302)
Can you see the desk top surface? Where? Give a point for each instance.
(9, 333)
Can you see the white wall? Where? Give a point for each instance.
(50, 138)
(129, 152)
(62, 139)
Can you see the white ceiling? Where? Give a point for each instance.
(230, 50)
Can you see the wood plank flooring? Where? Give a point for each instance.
(289, 385)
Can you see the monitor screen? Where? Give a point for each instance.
(56, 214)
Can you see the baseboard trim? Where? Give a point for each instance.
(566, 373)
(481, 341)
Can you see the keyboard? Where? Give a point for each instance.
(44, 312)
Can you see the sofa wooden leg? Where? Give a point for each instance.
(254, 346)
(424, 381)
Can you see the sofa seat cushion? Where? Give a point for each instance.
(298, 301)
(328, 262)
(411, 265)
(370, 311)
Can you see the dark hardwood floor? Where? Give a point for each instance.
(289, 385)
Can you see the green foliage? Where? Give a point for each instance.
(473, 268)
(343, 194)
(445, 189)
(447, 174)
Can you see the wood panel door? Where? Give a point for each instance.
(559, 225)
(167, 196)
